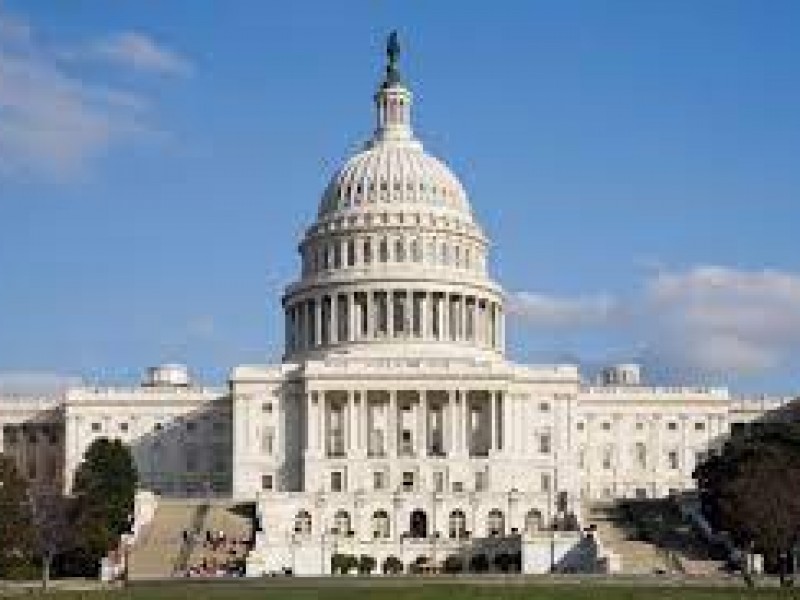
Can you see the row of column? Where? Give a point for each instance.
(381, 314)
(364, 251)
(442, 423)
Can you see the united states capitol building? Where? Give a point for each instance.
(394, 420)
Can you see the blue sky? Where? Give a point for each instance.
(635, 164)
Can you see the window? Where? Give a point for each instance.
(367, 251)
(545, 482)
(158, 427)
(672, 426)
(337, 481)
(639, 425)
(641, 493)
(544, 443)
(408, 481)
(266, 407)
(606, 426)
(379, 480)
(607, 458)
(380, 524)
(699, 458)
(480, 481)
(341, 523)
(544, 406)
(399, 251)
(191, 425)
(672, 459)
(383, 251)
(10, 434)
(699, 426)
(458, 524)
(438, 481)
(302, 522)
(96, 426)
(266, 483)
(641, 455)
(581, 458)
(495, 522)
(405, 445)
(268, 441)
(580, 425)
(123, 427)
(458, 487)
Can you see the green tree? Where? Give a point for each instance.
(750, 489)
(16, 526)
(103, 491)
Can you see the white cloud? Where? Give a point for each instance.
(53, 121)
(717, 319)
(140, 52)
(707, 320)
(544, 311)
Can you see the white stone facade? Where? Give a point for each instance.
(394, 426)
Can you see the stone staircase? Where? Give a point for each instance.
(161, 550)
(636, 556)
(160, 547)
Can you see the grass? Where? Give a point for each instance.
(411, 589)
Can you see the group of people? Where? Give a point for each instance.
(223, 555)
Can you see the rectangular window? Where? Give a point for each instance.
(672, 426)
(544, 443)
(480, 481)
(337, 481)
(544, 406)
(672, 458)
(545, 481)
(699, 426)
(379, 480)
(458, 487)
(266, 483)
(123, 427)
(408, 481)
(438, 481)
(96, 426)
(268, 441)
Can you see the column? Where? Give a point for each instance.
(500, 430)
(318, 321)
(444, 331)
(389, 313)
(501, 322)
(352, 424)
(363, 435)
(391, 425)
(492, 409)
(352, 333)
(333, 332)
(425, 409)
(370, 307)
(466, 423)
(463, 308)
(424, 316)
(321, 418)
(449, 417)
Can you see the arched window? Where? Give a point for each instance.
(341, 523)
(302, 522)
(495, 523)
(380, 524)
(458, 524)
(399, 250)
(533, 521)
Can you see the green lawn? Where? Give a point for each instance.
(417, 590)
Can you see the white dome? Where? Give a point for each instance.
(395, 261)
(391, 173)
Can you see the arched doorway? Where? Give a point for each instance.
(418, 524)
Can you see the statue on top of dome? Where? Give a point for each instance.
(392, 53)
